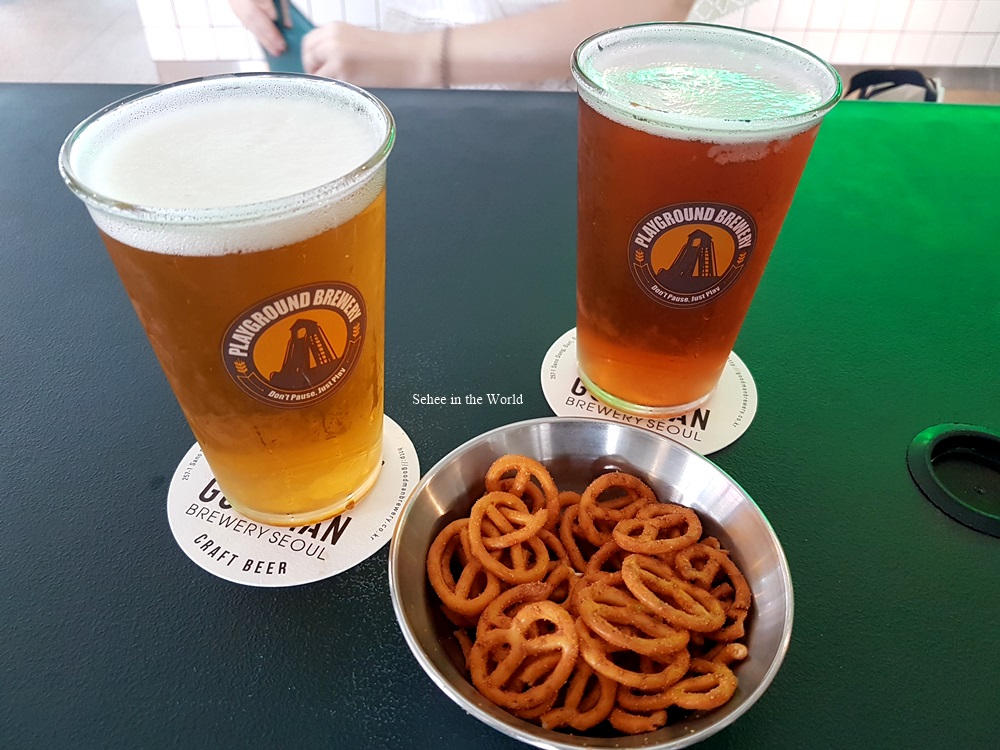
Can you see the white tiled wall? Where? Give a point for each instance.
(883, 32)
(200, 30)
(846, 32)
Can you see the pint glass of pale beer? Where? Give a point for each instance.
(692, 139)
(246, 217)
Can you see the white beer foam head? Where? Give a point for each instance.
(230, 163)
(706, 83)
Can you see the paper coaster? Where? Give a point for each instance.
(712, 426)
(237, 549)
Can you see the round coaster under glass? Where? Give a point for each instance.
(718, 422)
(234, 548)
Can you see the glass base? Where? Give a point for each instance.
(341, 505)
(640, 410)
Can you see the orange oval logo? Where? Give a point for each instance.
(688, 254)
(297, 347)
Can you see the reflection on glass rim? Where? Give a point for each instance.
(690, 79)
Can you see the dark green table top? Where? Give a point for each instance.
(877, 317)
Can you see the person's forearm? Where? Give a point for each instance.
(536, 46)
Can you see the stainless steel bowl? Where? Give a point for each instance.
(575, 451)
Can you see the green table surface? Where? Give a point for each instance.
(877, 317)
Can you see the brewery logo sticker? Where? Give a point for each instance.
(234, 548)
(297, 347)
(718, 422)
(688, 254)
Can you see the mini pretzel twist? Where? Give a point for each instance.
(497, 656)
(658, 529)
(475, 587)
(712, 685)
(619, 618)
(676, 601)
(632, 494)
(525, 470)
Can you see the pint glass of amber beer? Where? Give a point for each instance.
(692, 139)
(246, 217)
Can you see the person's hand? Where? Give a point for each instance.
(259, 16)
(367, 57)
